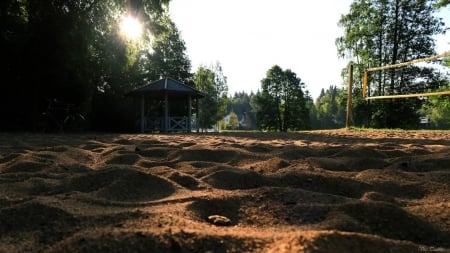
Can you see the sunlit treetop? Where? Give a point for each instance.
(130, 27)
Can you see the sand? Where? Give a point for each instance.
(318, 191)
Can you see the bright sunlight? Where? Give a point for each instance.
(131, 27)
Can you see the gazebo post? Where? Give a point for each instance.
(189, 123)
(142, 113)
(166, 112)
(197, 113)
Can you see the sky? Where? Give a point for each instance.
(248, 37)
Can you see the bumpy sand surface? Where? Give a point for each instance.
(320, 191)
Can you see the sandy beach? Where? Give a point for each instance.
(318, 191)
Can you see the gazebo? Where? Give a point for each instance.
(166, 106)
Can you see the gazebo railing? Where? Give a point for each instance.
(175, 124)
(178, 124)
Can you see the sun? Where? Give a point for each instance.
(131, 27)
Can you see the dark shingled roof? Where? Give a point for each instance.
(169, 85)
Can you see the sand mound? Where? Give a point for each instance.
(316, 182)
(185, 181)
(33, 216)
(392, 222)
(272, 165)
(144, 242)
(352, 242)
(155, 153)
(129, 159)
(236, 179)
(377, 196)
(323, 191)
(31, 226)
(207, 155)
(122, 184)
(26, 166)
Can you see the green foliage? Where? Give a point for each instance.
(330, 108)
(233, 123)
(447, 62)
(313, 115)
(212, 107)
(167, 57)
(437, 108)
(68, 50)
(128, 64)
(384, 32)
(442, 3)
(281, 105)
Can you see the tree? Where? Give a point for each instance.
(385, 32)
(213, 83)
(68, 50)
(330, 108)
(124, 65)
(313, 120)
(234, 121)
(281, 103)
(168, 55)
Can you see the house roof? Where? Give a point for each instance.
(169, 85)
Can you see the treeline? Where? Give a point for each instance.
(328, 111)
(376, 33)
(65, 65)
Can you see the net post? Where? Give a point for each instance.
(364, 90)
(349, 96)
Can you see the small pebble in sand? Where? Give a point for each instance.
(219, 220)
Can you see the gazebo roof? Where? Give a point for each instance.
(169, 85)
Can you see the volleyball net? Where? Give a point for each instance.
(420, 89)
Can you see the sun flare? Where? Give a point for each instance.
(131, 27)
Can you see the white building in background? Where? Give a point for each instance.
(226, 119)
